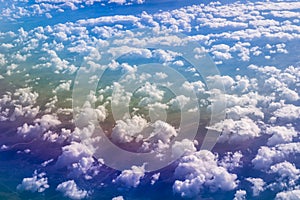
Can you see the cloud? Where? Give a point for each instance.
(180, 101)
(280, 134)
(26, 96)
(66, 86)
(7, 45)
(160, 75)
(240, 195)
(258, 104)
(120, 95)
(128, 130)
(88, 115)
(131, 177)
(289, 95)
(131, 51)
(109, 20)
(40, 126)
(117, 1)
(199, 170)
(264, 22)
(266, 156)
(73, 153)
(154, 178)
(231, 160)
(162, 131)
(219, 82)
(118, 198)
(291, 195)
(71, 190)
(151, 94)
(182, 147)
(288, 112)
(36, 183)
(50, 106)
(222, 55)
(238, 112)
(197, 86)
(258, 185)
(288, 174)
(3, 60)
(236, 131)
(61, 65)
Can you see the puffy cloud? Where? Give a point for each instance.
(240, 195)
(197, 86)
(30, 130)
(280, 134)
(61, 65)
(154, 178)
(66, 86)
(151, 92)
(132, 129)
(160, 75)
(118, 198)
(265, 70)
(252, 100)
(265, 22)
(131, 177)
(231, 160)
(58, 137)
(109, 20)
(47, 121)
(179, 101)
(131, 51)
(258, 185)
(289, 95)
(288, 174)
(266, 156)
(244, 52)
(47, 162)
(291, 195)
(199, 170)
(238, 112)
(40, 126)
(120, 95)
(221, 23)
(79, 134)
(26, 96)
(165, 56)
(288, 112)
(21, 103)
(162, 131)
(222, 55)
(37, 183)
(220, 82)
(126, 131)
(71, 190)
(184, 146)
(88, 115)
(284, 13)
(51, 104)
(158, 139)
(7, 45)
(242, 84)
(117, 1)
(236, 131)
(272, 84)
(2, 59)
(73, 153)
